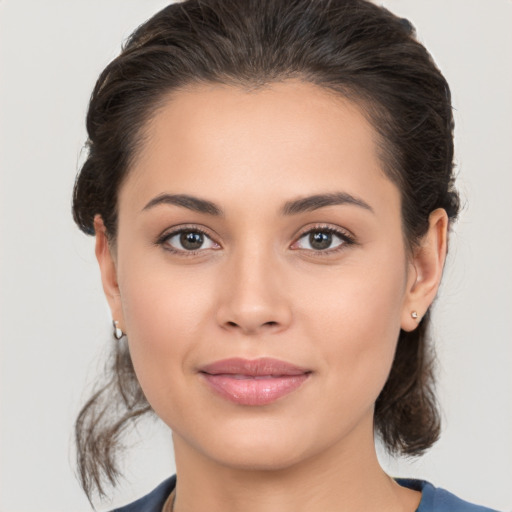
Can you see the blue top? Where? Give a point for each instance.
(433, 499)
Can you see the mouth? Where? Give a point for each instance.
(253, 382)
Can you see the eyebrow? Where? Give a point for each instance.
(317, 201)
(305, 204)
(185, 201)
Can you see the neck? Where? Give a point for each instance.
(342, 478)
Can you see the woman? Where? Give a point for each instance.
(270, 186)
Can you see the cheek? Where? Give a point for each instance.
(355, 319)
(165, 312)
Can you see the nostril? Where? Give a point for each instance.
(271, 323)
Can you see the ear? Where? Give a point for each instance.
(108, 270)
(425, 270)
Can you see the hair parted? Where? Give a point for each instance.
(351, 47)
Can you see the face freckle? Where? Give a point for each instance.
(249, 286)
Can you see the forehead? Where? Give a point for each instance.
(290, 137)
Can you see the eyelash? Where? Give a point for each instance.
(162, 240)
(346, 239)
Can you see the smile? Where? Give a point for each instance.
(253, 382)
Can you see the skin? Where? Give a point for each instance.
(257, 289)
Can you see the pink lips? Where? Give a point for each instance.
(253, 382)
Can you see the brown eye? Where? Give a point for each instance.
(325, 240)
(188, 240)
(320, 240)
(191, 240)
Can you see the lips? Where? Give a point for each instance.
(253, 382)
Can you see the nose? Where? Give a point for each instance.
(253, 297)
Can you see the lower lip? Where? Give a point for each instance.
(254, 391)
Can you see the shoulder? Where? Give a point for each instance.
(436, 499)
(152, 502)
(433, 499)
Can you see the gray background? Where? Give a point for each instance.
(55, 323)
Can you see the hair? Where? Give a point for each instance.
(351, 47)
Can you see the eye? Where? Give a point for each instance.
(188, 240)
(322, 240)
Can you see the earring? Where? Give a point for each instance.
(414, 314)
(118, 333)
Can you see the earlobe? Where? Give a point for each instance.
(426, 269)
(108, 270)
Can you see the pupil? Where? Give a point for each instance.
(191, 240)
(320, 240)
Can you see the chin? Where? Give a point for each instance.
(266, 446)
(259, 458)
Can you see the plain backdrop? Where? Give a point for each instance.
(55, 324)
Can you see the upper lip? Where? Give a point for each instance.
(253, 367)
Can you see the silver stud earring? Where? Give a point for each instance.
(118, 333)
(414, 314)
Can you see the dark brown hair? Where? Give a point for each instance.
(351, 47)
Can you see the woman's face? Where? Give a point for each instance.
(260, 225)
